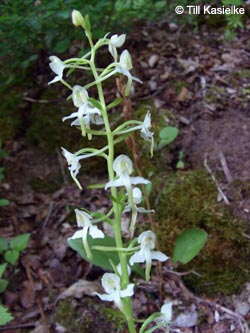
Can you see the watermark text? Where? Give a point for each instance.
(209, 10)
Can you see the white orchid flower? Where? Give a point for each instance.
(145, 133)
(146, 254)
(79, 95)
(124, 66)
(86, 113)
(166, 314)
(114, 42)
(137, 198)
(83, 220)
(123, 167)
(132, 206)
(73, 163)
(112, 285)
(57, 66)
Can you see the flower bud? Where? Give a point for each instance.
(77, 18)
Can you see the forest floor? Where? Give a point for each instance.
(204, 83)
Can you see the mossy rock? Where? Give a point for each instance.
(189, 199)
(88, 316)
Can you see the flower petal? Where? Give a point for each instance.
(157, 255)
(139, 180)
(166, 311)
(137, 257)
(83, 219)
(105, 297)
(129, 291)
(95, 232)
(77, 234)
(114, 183)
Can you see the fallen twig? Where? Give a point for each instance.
(181, 273)
(225, 168)
(223, 196)
(14, 327)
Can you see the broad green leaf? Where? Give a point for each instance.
(5, 316)
(3, 245)
(3, 285)
(188, 244)
(11, 256)
(20, 242)
(101, 258)
(2, 269)
(168, 134)
(4, 202)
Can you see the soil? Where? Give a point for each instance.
(199, 82)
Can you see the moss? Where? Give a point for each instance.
(189, 199)
(90, 317)
(215, 95)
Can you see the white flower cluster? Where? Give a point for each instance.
(90, 111)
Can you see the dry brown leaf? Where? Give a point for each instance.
(183, 94)
(80, 288)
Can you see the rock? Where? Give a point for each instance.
(188, 319)
(152, 61)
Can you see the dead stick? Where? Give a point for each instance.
(13, 327)
(216, 182)
(225, 168)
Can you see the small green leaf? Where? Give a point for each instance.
(20, 242)
(3, 285)
(3, 245)
(101, 216)
(180, 165)
(2, 269)
(168, 134)
(4, 202)
(116, 102)
(96, 186)
(95, 102)
(5, 316)
(188, 244)
(11, 256)
(87, 24)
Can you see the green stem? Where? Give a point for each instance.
(116, 208)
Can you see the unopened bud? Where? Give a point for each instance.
(77, 18)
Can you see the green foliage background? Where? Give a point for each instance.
(32, 30)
